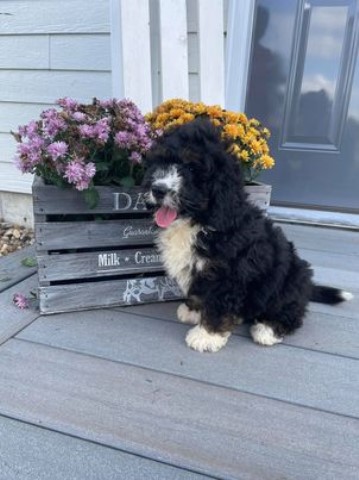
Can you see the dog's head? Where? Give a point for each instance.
(189, 174)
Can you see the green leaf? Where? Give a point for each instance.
(29, 262)
(102, 167)
(91, 197)
(127, 182)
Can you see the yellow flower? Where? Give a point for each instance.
(234, 148)
(176, 112)
(231, 131)
(244, 155)
(249, 138)
(266, 161)
(254, 122)
(256, 147)
(242, 118)
(187, 117)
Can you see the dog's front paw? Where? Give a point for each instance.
(201, 340)
(264, 335)
(185, 315)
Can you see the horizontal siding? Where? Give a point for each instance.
(44, 86)
(14, 114)
(80, 52)
(54, 16)
(7, 147)
(58, 52)
(25, 51)
(48, 49)
(12, 180)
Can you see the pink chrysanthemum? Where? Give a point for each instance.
(57, 149)
(20, 301)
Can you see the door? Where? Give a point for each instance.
(304, 86)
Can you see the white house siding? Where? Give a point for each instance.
(55, 48)
(48, 49)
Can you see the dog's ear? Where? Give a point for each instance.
(227, 196)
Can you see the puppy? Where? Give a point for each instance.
(232, 264)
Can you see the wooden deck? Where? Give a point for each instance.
(116, 394)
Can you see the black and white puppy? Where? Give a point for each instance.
(230, 261)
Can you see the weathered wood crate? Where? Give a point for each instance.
(259, 194)
(93, 258)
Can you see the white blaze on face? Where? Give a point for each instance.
(169, 181)
(169, 178)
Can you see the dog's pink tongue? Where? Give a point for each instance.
(165, 216)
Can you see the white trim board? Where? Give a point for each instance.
(314, 217)
(239, 42)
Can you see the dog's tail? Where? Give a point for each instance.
(329, 295)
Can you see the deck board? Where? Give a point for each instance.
(12, 271)
(32, 453)
(188, 424)
(12, 319)
(323, 239)
(290, 374)
(118, 393)
(332, 332)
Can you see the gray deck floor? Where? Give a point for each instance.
(116, 394)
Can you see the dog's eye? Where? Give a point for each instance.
(190, 168)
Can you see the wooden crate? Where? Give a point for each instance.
(93, 258)
(259, 194)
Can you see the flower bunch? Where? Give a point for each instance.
(83, 145)
(246, 137)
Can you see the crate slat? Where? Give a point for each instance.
(75, 297)
(98, 264)
(101, 234)
(51, 200)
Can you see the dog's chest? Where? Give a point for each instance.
(176, 244)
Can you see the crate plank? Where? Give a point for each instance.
(84, 296)
(173, 419)
(100, 263)
(94, 234)
(49, 199)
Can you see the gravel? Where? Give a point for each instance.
(14, 237)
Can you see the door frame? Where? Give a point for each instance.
(240, 23)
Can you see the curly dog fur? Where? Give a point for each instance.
(231, 262)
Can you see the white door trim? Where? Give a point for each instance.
(238, 50)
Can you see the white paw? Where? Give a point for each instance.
(185, 315)
(264, 335)
(201, 340)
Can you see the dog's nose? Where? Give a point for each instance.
(159, 191)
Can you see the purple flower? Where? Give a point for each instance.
(67, 103)
(90, 170)
(20, 301)
(57, 149)
(79, 116)
(62, 144)
(87, 131)
(102, 130)
(74, 171)
(135, 157)
(123, 139)
(52, 122)
(80, 174)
